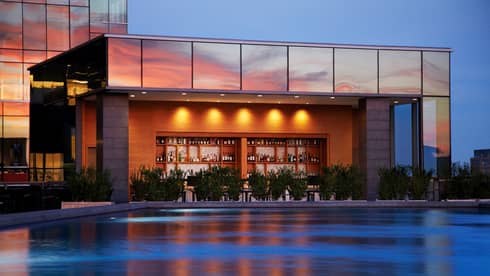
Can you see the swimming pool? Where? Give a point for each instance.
(255, 242)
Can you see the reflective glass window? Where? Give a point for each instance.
(310, 69)
(99, 16)
(124, 62)
(27, 82)
(436, 135)
(15, 126)
(34, 56)
(79, 3)
(11, 81)
(34, 19)
(402, 134)
(399, 72)
(10, 55)
(79, 25)
(118, 16)
(58, 28)
(51, 54)
(356, 70)
(264, 67)
(216, 66)
(166, 64)
(58, 2)
(436, 73)
(34, 1)
(16, 108)
(10, 25)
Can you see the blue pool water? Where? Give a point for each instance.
(255, 242)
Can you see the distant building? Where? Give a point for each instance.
(481, 161)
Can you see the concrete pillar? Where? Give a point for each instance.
(374, 138)
(79, 109)
(112, 141)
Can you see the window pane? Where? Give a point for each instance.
(356, 71)
(27, 82)
(216, 66)
(10, 55)
(58, 2)
(14, 153)
(35, 1)
(399, 72)
(310, 69)
(16, 108)
(16, 127)
(11, 25)
(264, 67)
(58, 28)
(34, 56)
(11, 81)
(436, 73)
(117, 11)
(99, 16)
(79, 2)
(402, 134)
(79, 28)
(436, 126)
(35, 22)
(166, 64)
(124, 62)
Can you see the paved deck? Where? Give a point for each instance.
(18, 219)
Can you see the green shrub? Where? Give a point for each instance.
(212, 183)
(279, 181)
(233, 182)
(90, 185)
(258, 184)
(393, 182)
(298, 185)
(327, 182)
(173, 185)
(148, 184)
(420, 182)
(201, 185)
(343, 181)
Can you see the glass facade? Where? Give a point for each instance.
(108, 16)
(400, 72)
(436, 73)
(124, 62)
(264, 67)
(216, 66)
(310, 69)
(356, 71)
(436, 135)
(167, 64)
(30, 32)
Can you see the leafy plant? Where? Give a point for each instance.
(279, 181)
(393, 182)
(90, 185)
(298, 186)
(173, 185)
(148, 184)
(342, 181)
(258, 183)
(212, 184)
(420, 182)
(327, 182)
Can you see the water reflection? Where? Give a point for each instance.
(254, 242)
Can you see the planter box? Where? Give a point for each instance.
(82, 204)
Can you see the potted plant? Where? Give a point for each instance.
(297, 186)
(88, 188)
(258, 184)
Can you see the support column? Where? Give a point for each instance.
(79, 109)
(374, 136)
(112, 141)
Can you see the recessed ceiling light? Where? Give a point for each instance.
(414, 99)
(332, 98)
(307, 103)
(144, 92)
(222, 95)
(132, 96)
(187, 100)
(183, 93)
(296, 96)
(279, 102)
(218, 101)
(260, 95)
(248, 101)
(395, 102)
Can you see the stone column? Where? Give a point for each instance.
(79, 109)
(374, 137)
(112, 141)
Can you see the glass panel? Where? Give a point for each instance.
(399, 72)
(11, 25)
(402, 116)
(34, 56)
(16, 109)
(116, 28)
(58, 28)
(10, 55)
(15, 149)
(35, 21)
(166, 64)
(436, 73)
(264, 67)
(58, 2)
(27, 81)
(99, 16)
(16, 127)
(117, 11)
(124, 62)
(79, 25)
(216, 66)
(35, 1)
(436, 125)
(11, 81)
(356, 71)
(310, 69)
(79, 2)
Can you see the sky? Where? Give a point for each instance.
(463, 25)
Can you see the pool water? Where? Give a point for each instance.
(255, 242)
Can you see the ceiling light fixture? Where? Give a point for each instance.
(260, 95)
(144, 92)
(183, 93)
(132, 96)
(296, 96)
(222, 95)
(395, 102)
(332, 98)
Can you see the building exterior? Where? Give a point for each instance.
(480, 163)
(30, 32)
(193, 103)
